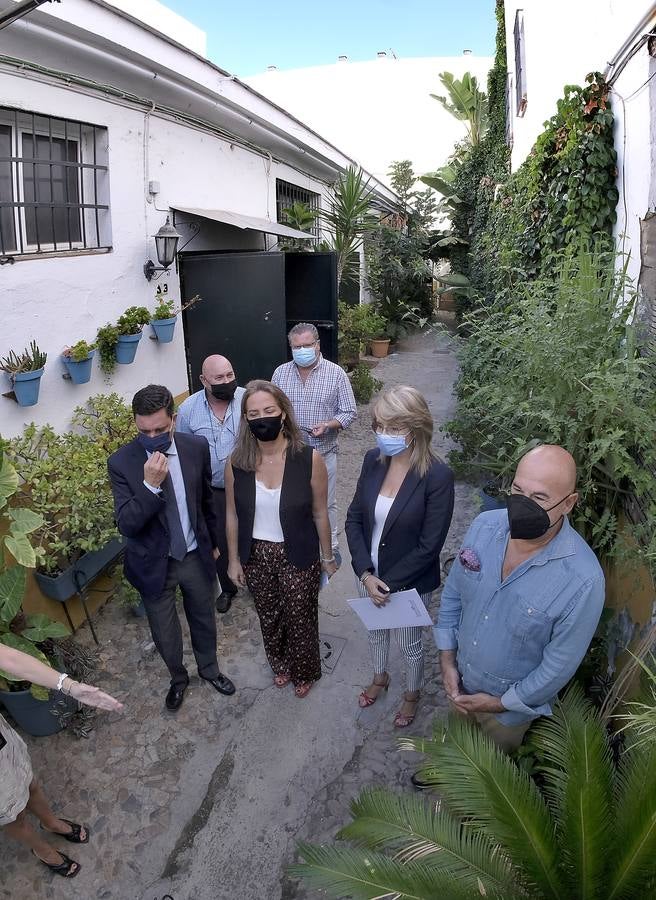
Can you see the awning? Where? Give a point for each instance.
(246, 222)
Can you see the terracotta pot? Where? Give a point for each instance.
(380, 348)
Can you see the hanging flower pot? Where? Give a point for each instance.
(26, 386)
(126, 348)
(79, 370)
(164, 329)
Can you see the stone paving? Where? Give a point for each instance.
(209, 804)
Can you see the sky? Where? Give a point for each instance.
(246, 37)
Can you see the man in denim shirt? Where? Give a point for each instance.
(521, 603)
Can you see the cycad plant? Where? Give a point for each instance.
(587, 832)
(348, 220)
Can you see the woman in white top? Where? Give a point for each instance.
(20, 793)
(278, 532)
(396, 526)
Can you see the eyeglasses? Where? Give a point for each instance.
(304, 346)
(388, 429)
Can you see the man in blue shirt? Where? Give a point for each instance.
(215, 413)
(521, 603)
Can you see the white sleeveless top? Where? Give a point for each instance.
(381, 511)
(266, 524)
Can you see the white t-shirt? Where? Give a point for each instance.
(381, 511)
(266, 524)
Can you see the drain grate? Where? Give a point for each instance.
(330, 648)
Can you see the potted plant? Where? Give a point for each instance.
(130, 329)
(78, 360)
(29, 705)
(63, 477)
(25, 371)
(106, 341)
(163, 320)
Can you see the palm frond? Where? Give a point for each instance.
(363, 875)
(480, 781)
(414, 829)
(634, 844)
(578, 785)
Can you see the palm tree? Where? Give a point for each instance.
(348, 220)
(587, 832)
(465, 102)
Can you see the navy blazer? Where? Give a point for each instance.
(141, 514)
(415, 529)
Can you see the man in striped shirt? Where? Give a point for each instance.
(323, 402)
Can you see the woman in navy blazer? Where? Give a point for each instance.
(396, 526)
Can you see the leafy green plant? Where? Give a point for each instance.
(30, 360)
(465, 102)
(133, 320)
(78, 352)
(106, 341)
(63, 478)
(357, 324)
(639, 716)
(165, 309)
(560, 365)
(398, 274)
(364, 384)
(586, 831)
(348, 220)
(22, 632)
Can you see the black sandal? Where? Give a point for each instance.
(74, 835)
(64, 868)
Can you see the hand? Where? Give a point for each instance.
(377, 590)
(236, 574)
(92, 696)
(450, 680)
(482, 703)
(318, 430)
(329, 568)
(156, 469)
(216, 553)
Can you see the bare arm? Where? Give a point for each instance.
(27, 668)
(235, 570)
(319, 484)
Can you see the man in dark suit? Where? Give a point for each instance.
(165, 508)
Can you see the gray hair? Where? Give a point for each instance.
(302, 328)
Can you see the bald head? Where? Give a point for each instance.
(547, 474)
(215, 367)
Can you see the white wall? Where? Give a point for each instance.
(59, 300)
(564, 41)
(377, 111)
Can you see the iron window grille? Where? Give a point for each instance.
(287, 194)
(54, 184)
(520, 63)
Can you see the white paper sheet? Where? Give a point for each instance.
(405, 608)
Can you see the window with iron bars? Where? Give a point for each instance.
(287, 194)
(520, 63)
(54, 185)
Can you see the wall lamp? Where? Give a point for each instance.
(166, 245)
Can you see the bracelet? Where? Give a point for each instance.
(60, 681)
(327, 559)
(364, 577)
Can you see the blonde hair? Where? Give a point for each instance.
(404, 407)
(246, 454)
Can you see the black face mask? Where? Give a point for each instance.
(527, 519)
(225, 391)
(267, 428)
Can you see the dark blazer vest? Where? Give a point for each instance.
(298, 528)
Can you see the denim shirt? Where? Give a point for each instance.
(196, 417)
(523, 638)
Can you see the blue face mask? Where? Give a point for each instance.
(160, 443)
(304, 356)
(391, 444)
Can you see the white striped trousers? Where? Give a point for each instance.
(410, 644)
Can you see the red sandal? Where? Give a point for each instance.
(281, 681)
(303, 689)
(401, 720)
(364, 700)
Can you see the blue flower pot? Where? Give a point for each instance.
(26, 387)
(164, 329)
(126, 349)
(80, 372)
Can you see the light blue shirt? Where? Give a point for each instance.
(175, 471)
(520, 639)
(195, 416)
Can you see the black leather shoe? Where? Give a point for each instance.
(175, 696)
(224, 601)
(222, 684)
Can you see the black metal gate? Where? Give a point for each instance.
(249, 302)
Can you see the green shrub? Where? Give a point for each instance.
(364, 384)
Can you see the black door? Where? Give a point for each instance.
(311, 289)
(241, 315)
